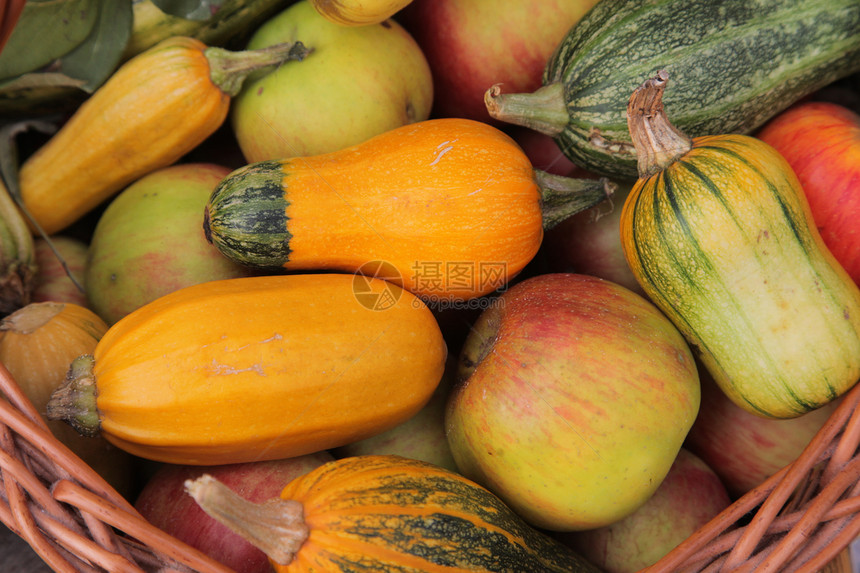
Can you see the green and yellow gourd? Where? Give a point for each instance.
(775, 51)
(720, 236)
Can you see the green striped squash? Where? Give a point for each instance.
(720, 236)
(386, 513)
(735, 63)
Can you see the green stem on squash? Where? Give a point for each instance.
(543, 110)
(229, 69)
(562, 197)
(658, 143)
(276, 527)
(74, 402)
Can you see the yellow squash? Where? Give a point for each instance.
(257, 368)
(156, 107)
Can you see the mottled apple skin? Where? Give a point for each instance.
(745, 449)
(689, 497)
(575, 396)
(474, 44)
(359, 81)
(821, 142)
(164, 502)
(150, 242)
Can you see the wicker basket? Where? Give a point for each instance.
(800, 519)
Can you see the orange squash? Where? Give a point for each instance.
(386, 513)
(153, 110)
(255, 368)
(37, 342)
(449, 208)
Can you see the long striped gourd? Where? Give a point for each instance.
(720, 236)
(734, 63)
(386, 513)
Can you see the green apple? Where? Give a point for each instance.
(149, 241)
(575, 396)
(357, 82)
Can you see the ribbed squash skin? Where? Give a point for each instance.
(723, 241)
(153, 110)
(267, 367)
(391, 514)
(421, 198)
(734, 64)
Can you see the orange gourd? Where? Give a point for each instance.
(450, 208)
(386, 513)
(256, 368)
(37, 342)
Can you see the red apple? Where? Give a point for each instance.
(743, 448)
(690, 496)
(473, 44)
(576, 395)
(544, 152)
(164, 503)
(52, 279)
(821, 142)
(590, 243)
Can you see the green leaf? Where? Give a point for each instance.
(189, 9)
(38, 80)
(95, 59)
(58, 27)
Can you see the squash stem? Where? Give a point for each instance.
(229, 69)
(658, 143)
(74, 402)
(276, 526)
(543, 110)
(562, 197)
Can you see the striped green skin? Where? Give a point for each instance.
(258, 236)
(385, 513)
(733, 65)
(723, 242)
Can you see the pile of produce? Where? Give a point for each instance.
(431, 285)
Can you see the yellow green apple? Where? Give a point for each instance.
(574, 397)
(149, 241)
(357, 82)
(690, 496)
